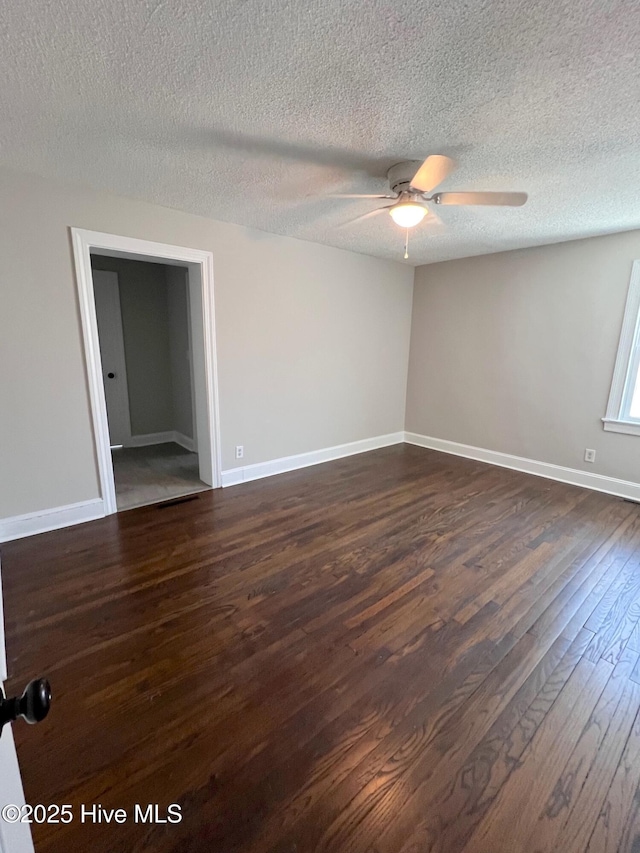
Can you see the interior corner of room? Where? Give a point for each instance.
(506, 357)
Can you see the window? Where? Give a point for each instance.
(623, 410)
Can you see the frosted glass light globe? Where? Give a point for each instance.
(407, 214)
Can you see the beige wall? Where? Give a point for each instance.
(515, 352)
(312, 341)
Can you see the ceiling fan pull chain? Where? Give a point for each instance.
(406, 246)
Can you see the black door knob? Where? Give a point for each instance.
(111, 375)
(33, 706)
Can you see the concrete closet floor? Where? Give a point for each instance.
(159, 472)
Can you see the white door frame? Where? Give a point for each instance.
(200, 266)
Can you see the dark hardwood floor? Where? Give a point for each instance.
(398, 652)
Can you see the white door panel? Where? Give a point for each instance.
(14, 837)
(114, 366)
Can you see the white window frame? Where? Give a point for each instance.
(617, 418)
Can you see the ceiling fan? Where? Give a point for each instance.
(410, 183)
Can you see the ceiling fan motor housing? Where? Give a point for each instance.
(401, 175)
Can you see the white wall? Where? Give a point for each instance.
(312, 341)
(515, 351)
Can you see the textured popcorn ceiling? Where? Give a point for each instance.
(252, 111)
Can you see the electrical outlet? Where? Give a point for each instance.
(589, 455)
(239, 451)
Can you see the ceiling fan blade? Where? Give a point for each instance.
(366, 215)
(500, 199)
(432, 172)
(432, 219)
(356, 195)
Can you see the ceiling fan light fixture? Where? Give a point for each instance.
(406, 214)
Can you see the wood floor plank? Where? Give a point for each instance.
(616, 826)
(574, 590)
(382, 654)
(580, 822)
(634, 640)
(502, 587)
(616, 626)
(566, 822)
(527, 790)
(443, 818)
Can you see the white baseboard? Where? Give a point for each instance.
(573, 476)
(303, 460)
(184, 441)
(149, 438)
(170, 436)
(18, 526)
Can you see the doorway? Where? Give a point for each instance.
(142, 311)
(149, 336)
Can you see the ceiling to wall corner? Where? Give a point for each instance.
(252, 111)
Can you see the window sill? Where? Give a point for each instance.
(627, 427)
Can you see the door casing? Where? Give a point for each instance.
(203, 340)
